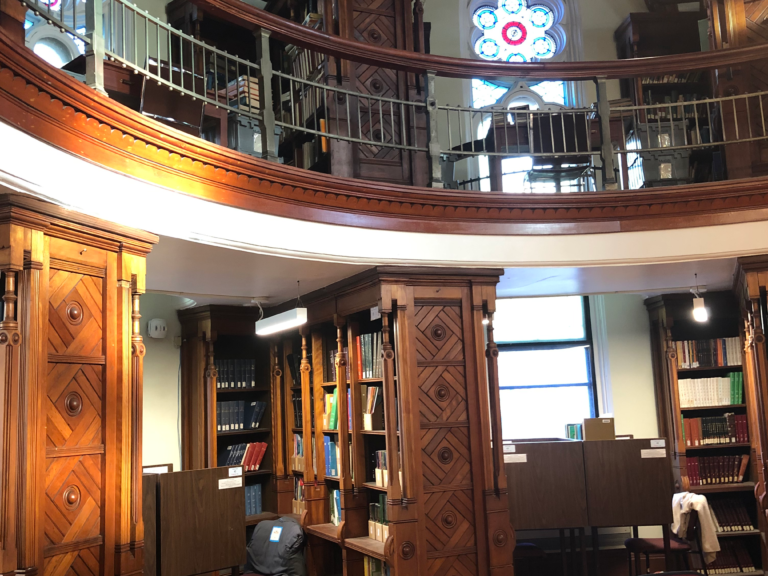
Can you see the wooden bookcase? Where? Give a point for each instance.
(436, 385)
(672, 322)
(211, 335)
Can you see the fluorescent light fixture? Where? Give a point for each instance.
(700, 313)
(486, 320)
(282, 321)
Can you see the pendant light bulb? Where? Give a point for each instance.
(700, 313)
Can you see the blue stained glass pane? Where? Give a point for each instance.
(485, 18)
(487, 48)
(513, 6)
(28, 24)
(541, 17)
(552, 91)
(544, 47)
(517, 57)
(486, 93)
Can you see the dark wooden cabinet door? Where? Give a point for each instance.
(446, 455)
(74, 402)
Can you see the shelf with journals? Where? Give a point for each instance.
(390, 364)
(704, 408)
(227, 416)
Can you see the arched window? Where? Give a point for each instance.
(517, 30)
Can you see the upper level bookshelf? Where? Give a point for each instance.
(703, 408)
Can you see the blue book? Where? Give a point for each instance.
(247, 501)
(334, 463)
(327, 448)
(337, 496)
(258, 499)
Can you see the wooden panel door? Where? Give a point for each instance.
(74, 495)
(446, 457)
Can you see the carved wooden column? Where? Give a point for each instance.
(283, 484)
(30, 465)
(210, 402)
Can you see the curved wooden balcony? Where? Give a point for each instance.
(65, 113)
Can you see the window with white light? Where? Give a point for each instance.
(52, 51)
(546, 372)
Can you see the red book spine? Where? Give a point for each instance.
(359, 359)
(261, 454)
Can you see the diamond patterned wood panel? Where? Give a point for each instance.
(449, 520)
(74, 405)
(445, 456)
(78, 563)
(74, 314)
(443, 394)
(73, 499)
(463, 565)
(439, 333)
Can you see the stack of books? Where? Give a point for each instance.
(381, 474)
(298, 504)
(708, 353)
(330, 412)
(733, 558)
(249, 456)
(253, 500)
(369, 356)
(574, 431)
(297, 458)
(235, 374)
(726, 429)
(332, 458)
(378, 524)
(239, 415)
(709, 470)
(730, 515)
(700, 392)
(371, 396)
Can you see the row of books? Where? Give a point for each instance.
(378, 524)
(369, 356)
(710, 430)
(332, 354)
(297, 458)
(249, 456)
(239, 415)
(730, 515)
(298, 410)
(381, 475)
(374, 567)
(332, 456)
(373, 415)
(672, 78)
(708, 353)
(294, 365)
(253, 500)
(334, 497)
(721, 391)
(330, 411)
(708, 470)
(733, 558)
(574, 431)
(298, 505)
(233, 374)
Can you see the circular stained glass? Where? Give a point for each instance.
(544, 47)
(485, 18)
(513, 6)
(514, 33)
(542, 17)
(487, 48)
(516, 57)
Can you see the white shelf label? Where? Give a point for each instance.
(515, 458)
(509, 448)
(653, 453)
(658, 443)
(236, 471)
(225, 483)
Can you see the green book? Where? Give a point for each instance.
(334, 410)
(741, 387)
(733, 387)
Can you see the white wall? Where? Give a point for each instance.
(161, 383)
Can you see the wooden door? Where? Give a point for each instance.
(74, 404)
(452, 499)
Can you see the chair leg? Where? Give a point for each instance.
(647, 563)
(629, 558)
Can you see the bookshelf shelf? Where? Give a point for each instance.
(258, 473)
(248, 390)
(241, 432)
(325, 531)
(718, 446)
(330, 431)
(721, 407)
(709, 369)
(329, 384)
(333, 478)
(374, 432)
(256, 518)
(738, 534)
(373, 486)
(367, 546)
(297, 472)
(717, 488)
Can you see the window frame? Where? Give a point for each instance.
(586, 341)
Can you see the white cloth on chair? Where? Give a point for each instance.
(682, 504)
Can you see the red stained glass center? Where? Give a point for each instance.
(514, 33)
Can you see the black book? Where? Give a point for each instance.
(248, 375)
(292, 368)
(253, 373)
(240, 414)
(250, 415)
(224, 456)
(259, 413)
(218, 416)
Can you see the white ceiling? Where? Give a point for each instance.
(213, 275)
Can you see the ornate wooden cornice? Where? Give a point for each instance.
(243, 14)
(55, 108)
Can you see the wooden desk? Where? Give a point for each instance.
(629, 483)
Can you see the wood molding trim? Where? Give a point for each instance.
(48, 104)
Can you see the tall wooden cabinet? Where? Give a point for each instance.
(71, 419)
(445, 498)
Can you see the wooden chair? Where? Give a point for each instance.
(679, 546)
(528, 555)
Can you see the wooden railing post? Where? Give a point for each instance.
(435, 171)
(604, 112)
(94, 51)
(266, 108)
